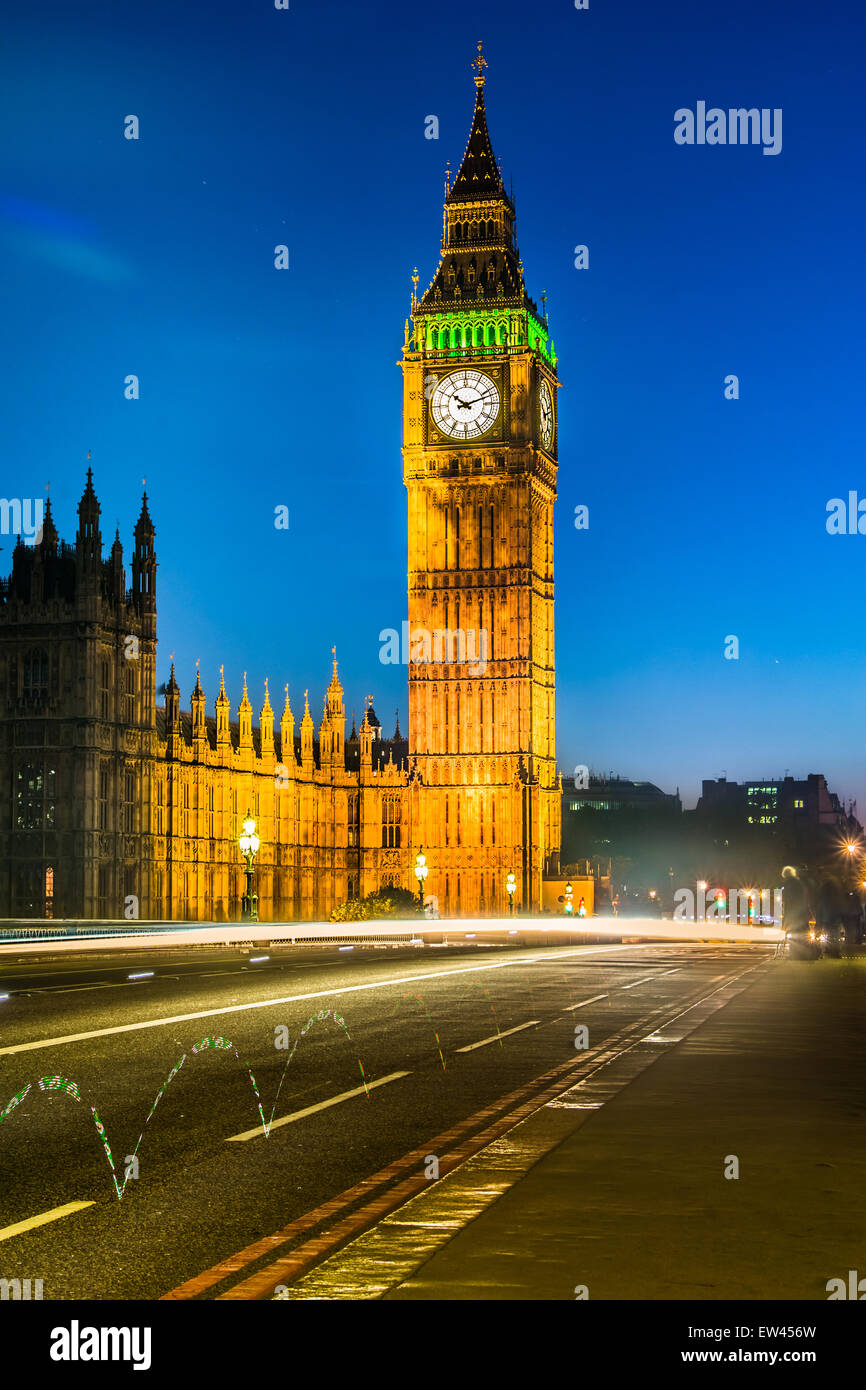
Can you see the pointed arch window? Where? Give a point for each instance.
(390, 821)
(36, 674)
(35, 797)
(129, 693)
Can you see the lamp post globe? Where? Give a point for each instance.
(420, 874)
(249, 842)
(510, 888)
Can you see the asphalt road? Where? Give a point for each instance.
(466, 1026)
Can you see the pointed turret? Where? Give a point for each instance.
(325, 737)
(287, 735)
(266, 723)
(223, 710)
(336, 713)
(88, 541)
(370, 730)
(245, 719)
(172, 705)
(307, 733)
(50, 537)
(198, 710)
(144, 562)
(118, 575)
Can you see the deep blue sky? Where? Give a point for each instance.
(259, 387)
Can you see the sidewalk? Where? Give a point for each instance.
(631, 1199)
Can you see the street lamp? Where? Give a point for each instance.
(249, 846)
(510, 888)
(420, 874)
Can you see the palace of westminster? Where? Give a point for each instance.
(113, 805)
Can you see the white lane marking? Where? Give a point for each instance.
(635, 983)
(470, 1047)
(258, 1132)
(303, 998)
(594, 1000)
(76, 989)
(42, 1220)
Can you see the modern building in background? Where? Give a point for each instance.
(616, 794)
(784, 802)
(112, 805)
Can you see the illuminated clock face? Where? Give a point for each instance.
(545, 414)
(465, 404)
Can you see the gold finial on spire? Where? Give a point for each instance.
(479, 63)
(415, 288)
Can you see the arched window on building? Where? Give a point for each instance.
(36, 674)
(129, 801)
(34, 797)
(390, 821)
(104, 690)
(354, 825)
(104, 784)
(129, 693)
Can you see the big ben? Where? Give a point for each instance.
(479, 464)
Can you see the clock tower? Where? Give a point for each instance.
(479, 464)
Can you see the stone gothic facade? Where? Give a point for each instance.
(113, 805)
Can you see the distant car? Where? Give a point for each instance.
(805, 945)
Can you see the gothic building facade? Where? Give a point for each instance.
(113, 805)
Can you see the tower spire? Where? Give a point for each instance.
(144, 562)
(479, 63)
(479, 176)
(88, 542)
(49, 530)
